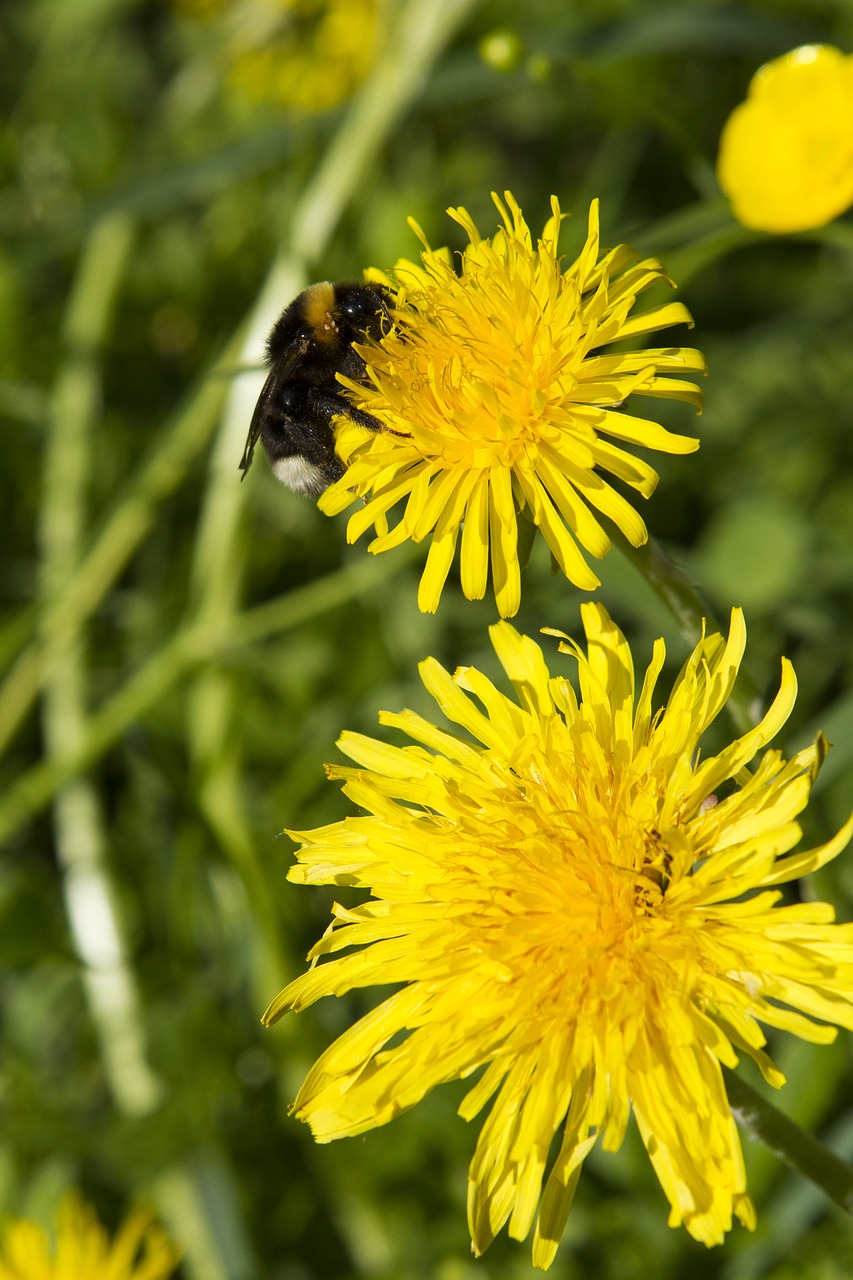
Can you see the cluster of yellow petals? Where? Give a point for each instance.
(580, 910)
(496, 397)
(83, 1250)
(786, 154)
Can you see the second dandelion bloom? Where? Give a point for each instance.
(582, 915)
(500, 401)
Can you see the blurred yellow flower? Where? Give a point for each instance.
(497, 398)
(786, 154)
(581, 910)
(83, 1250)
(316, 57)
(309, 54)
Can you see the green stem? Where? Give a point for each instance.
(77, 598)
(798, 1149)
(79, 828)
(690, 610)
(192, 645)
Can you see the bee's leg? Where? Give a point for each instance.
(327, 406)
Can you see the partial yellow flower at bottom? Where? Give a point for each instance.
(82, 1249)
(497, 395)
(786, 154)
(582, 913)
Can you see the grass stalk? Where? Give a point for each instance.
(191, 646)
(95, 924)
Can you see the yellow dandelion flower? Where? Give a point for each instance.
(497, 396)
(582, 910)
(83, 1250)
(786, 154)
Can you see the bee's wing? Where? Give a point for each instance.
(255, 427)
(280, 372)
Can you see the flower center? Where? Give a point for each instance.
(484, 373)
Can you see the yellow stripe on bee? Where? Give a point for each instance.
(319, 304)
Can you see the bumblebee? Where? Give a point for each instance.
(309, 344)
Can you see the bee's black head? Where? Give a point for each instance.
(318, 328)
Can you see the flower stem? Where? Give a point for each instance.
(690, 610)
(136, 509)
(78, 819)
(798, 1149)
(192, 645)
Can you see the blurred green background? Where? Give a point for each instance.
(181, 651)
